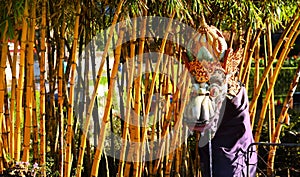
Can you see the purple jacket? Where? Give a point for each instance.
(230, 143)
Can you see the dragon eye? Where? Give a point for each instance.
(214, 90)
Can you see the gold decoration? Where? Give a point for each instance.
(198, 71)
(232, 60)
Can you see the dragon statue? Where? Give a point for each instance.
(218, 105)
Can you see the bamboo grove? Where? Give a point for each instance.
(69, 115)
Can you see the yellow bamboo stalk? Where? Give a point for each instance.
(256, 67)
(13, 94)
(126, 127)
(43, 92)
(285, 50)
(130, 124)
(35, 141)
(52, 111)
(272, 104)
(19, 111)
(125, 134)
(6, 122)
(165, 88)
(247, 68)
(272, 97)
(133, 128)
(256, 70)
(6, 126)
(101, 138)
(138, 80)
(271, 110)
(282, 117)
(247, 46)
(29, 84)
(2, 88)
(95, 91)
(86, 97)
(60, 95)
(123, 150)
(257, 91)
(69, 135)
(232, 36)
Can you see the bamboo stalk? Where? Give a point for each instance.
(101, 138)
(124, 144)
(125, 128)
(112, 138)
(130, 124)
(268, 53)
(86, 98)
(256, 70)
(2, 88)
(69, 135)
(162, 117)
(43, 93)
(286, 49)
(272, 104)
(138, 80)
(29, 84)
(184, 149)
(134, 128)
(256, 67)
(247, 69)
(13, 95)
(272, 97)
(19, 100)
(166, 93)
(35, 141)
(247, 46)
(51, 111)
(282, 117)
(6, 126)
(95, 91)
(232, 36)
(60, 95)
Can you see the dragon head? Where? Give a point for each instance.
(213, 67)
